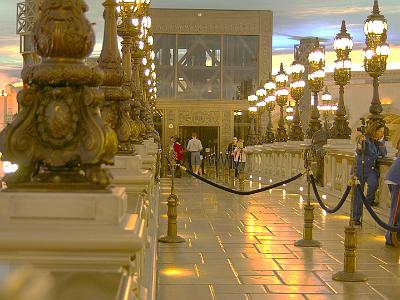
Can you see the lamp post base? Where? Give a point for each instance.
(307, 243)
(349, 276)
(171, 239)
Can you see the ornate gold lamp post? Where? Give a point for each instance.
(296, 91)
(325, 108)
(289, 114)
(316, 61)
(260, 93)
(375, 56)
(252, 137)
(270, 88)
(58, 139)
(128, 31)
(117, 105)
(343, 45)
(281, 80)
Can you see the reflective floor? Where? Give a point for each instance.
(241, 247)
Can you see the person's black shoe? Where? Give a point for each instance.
(357, 223)
(374, 204)
(389, 244)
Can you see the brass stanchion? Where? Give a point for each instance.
(349, 273)
(241, 180)
(172, 233)
(307, 240)
(232, 177)
(226, 170)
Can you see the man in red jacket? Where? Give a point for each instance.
(179, 157)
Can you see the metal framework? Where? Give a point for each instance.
(26, 17)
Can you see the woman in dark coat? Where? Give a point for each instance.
(373, 146)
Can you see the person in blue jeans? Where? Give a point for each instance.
(374, 147)
(392, 179)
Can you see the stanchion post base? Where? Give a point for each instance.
(171, 239)
(307, 243)
(349, 276)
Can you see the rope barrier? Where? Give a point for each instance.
(373, 214)
(322, 204)
(241, 192)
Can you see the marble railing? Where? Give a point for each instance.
(98, 245)
(278, 161)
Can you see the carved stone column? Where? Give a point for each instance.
(116, 110)
(58, 138)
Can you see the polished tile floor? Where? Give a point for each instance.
(241, 247)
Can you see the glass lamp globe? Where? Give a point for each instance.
(270, 85)
(270, 98)
(297, 84)
(296, 68)
(261, 92)
(316, 56)
(383, 49)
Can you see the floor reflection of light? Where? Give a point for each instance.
(250, 225)
(324, 214)
(202, 258)
(259, 185)
(175, 272)
(380, 238)
(234, 271)
(301, 201)
(164, 216)
(196, 268)
(284, 194)
(340, 217)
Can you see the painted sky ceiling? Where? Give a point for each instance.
(293, 19)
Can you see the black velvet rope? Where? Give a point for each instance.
(322, 204)
(240, 192)
(373, 214)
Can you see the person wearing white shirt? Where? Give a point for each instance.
(194, 146)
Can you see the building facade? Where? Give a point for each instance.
(208, 61)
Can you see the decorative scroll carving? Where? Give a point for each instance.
(58, 139)
(198, 118)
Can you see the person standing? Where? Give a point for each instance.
(194, 146)
(369, 147)
(179, 157)
(239, 157)
(392, 179)
(230, 150)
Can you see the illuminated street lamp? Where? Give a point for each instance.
(316, 61)
(270, 88)
(252, 137)
(296, 91)
(261, 105)
(375, 56)
(343, 45)
(325, 107)
(290, 108)
(281, 80)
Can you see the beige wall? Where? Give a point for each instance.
(358, 95)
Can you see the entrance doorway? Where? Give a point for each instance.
(208, 135)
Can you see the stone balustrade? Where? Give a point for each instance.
(278, 161)
(82, 241)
